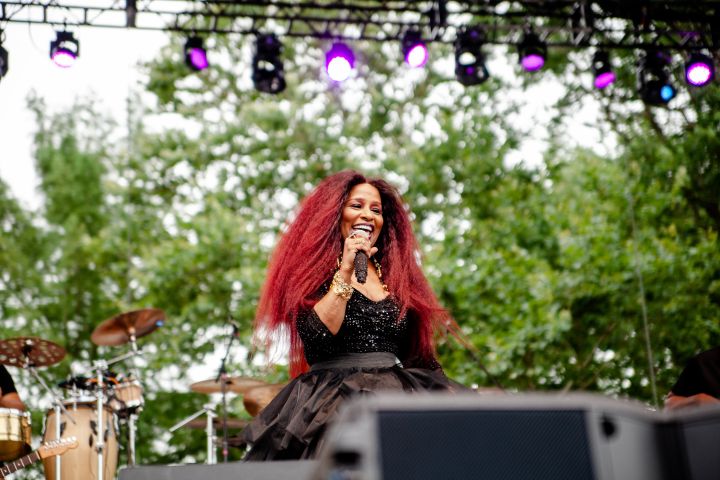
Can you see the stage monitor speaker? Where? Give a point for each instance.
(692, 441)
(507, 437)
(279, 470)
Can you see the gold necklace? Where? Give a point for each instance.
(377, 267)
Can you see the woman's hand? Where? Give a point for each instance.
(358, 241)
(673, 401)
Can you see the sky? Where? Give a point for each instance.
(105, 69)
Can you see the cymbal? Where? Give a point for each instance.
(233, 384)
(119, 329)
(257, 398)
(232, 423)
(32, 351)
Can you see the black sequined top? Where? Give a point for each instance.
(368, 327)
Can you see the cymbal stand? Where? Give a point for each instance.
(222, 377)
(132, 417)
(208, 409)
(131, 439)
(59, 407)
(101, 366)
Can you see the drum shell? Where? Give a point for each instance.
(126, 397)
(15, 434)
(81, 462)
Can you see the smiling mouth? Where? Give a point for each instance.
(364, 228)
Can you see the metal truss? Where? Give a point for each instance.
(611, 24)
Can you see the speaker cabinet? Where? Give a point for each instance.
(508, 437)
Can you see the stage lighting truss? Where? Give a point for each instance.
(65, 49)
(195, 54)
(268, 73)
(699, 69)
(569, 23)
(654, 85)
(470, 68)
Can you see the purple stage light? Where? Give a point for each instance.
(417, 56)
(64, 50)
(532, 62)
(699, 70)
(195, 54)
(602, 69)
(414, 49)
(532, 52)
(604, 79)
(198, 58)
(64, 59)
(339, 62)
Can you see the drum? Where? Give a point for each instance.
(82, 462)
(15, 433)
(126, 397)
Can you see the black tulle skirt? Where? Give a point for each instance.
(292, 426)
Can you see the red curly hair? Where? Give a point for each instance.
(306, 257)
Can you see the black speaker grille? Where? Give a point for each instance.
(494, 444)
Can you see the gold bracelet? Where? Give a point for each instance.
(340, 287)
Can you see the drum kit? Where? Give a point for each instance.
(93, 407)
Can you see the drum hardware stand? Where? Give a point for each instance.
(132, 418)
(208, 409)
(222, 377)
(101, 366)
(57, 401)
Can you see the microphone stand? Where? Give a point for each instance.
(222, 377)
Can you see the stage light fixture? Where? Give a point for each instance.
(65, 49)
(470, 68)
(414, 49)
(699, 70)
(195, 54)
(3, 62)
(532, 52)
(654, 83)
(602, 69)
(268, 73)
(339, 62)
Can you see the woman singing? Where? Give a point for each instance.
(345, 337)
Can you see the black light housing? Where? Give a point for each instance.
(602, 69)
(414, 49)
(532, 52)
(195, 54)
(3, 62)
(268, 73)
(470, 68)
(65, 49)
(654, 83)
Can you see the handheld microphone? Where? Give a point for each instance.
(361, 263)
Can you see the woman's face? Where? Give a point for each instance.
(362, 211)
